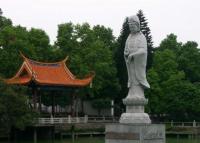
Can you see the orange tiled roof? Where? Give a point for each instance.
(47, 74)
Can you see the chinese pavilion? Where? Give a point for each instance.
(40, 74)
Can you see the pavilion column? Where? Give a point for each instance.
(73, 105)
(74, 102)
(39, 96)
(34, 90)
(53, 104)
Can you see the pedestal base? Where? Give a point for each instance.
(135, 133)
(129, 118)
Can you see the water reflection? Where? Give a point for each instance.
(102, 140)
(182, 140)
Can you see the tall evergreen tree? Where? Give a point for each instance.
(4, 21)
(119, 58)
(147, 33)
(1, 12)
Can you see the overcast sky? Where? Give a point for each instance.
(181, 17)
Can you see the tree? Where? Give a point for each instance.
(189, 61)
(166, 83)
(14, 110)
(106, 35)
(4, 21)
(40, 44)
(171, 43)
(13, 40)
(1, 12)
(90, 49)
(147, 33)
(172, 91)
(65, 39)
(34, 44)
(157, 76)
(101, 104)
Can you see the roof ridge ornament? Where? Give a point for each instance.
(22, 55)
(65, 59)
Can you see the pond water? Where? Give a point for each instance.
(102, 140)
(183, 140)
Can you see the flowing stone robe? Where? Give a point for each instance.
(137, 46)
(135, 54)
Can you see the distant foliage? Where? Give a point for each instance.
(174, 80)
(100, 104)
(14, 111)
(1, 12)
(90, 49)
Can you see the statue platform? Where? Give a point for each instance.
(135, 133)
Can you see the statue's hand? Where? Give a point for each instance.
(129, 59)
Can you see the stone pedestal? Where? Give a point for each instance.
(135, 102)
(135, 125)
(135, 133)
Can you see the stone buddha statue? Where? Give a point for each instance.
(135, 54)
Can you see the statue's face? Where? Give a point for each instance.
(133, 26)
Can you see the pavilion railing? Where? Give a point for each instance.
(182, 124)
(62, 120)
(86, 119)
(104, 119)
(71, 120)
